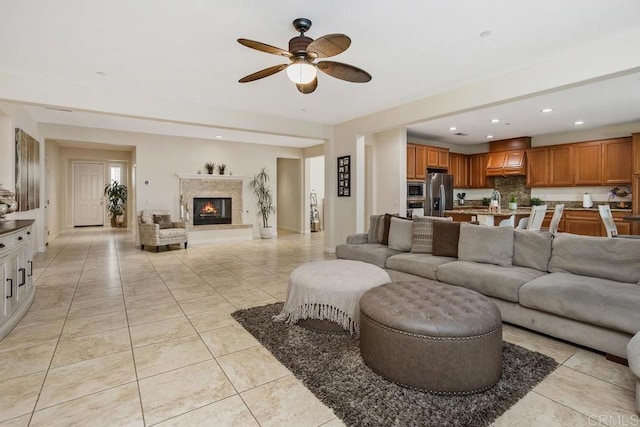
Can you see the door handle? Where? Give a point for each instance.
(30, 268)
(20, 238)
(2, 245)
(10, 288)
(23, 271)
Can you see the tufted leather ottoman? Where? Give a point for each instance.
(432, 336)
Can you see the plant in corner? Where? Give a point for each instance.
(209, 167)
(221, 168)
(117, 195)
(260, 187)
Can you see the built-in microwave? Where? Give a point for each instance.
(415, 190)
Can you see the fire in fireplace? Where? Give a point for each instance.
(211, 210)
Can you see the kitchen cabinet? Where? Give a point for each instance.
(589, 223)
(16, 273)
(560, 165)
(495, 161)
(504, 163)
(459, 169)
(478, 171)
(437, 158)
(635, 152)
(616, 161)
(547, 222)
(587, 163)
(538, 167)
(411, 161)
(421, 162)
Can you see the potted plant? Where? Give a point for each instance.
(117, 195)
(260, 187)
(536, 201)
(221, 168)
(513, 201)
(209, 167)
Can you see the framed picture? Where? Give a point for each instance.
(344, 176)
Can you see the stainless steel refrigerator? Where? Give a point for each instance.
(439, 195)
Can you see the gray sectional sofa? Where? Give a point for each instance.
(581, 289)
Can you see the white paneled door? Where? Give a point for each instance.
(88, 192)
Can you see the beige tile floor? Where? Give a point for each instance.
(119, 336)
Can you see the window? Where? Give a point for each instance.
(116, 173)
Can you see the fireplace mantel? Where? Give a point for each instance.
(210, 176)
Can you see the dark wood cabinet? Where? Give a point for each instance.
(616, 161)
(478, 171)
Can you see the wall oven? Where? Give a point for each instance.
(415, 190)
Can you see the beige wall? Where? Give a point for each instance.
(54, 189)
(289, 202)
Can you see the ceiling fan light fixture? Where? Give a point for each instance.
(301, 72)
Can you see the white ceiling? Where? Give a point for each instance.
(186, 52)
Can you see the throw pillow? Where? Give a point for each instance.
(422, 234)
(532, 249)
(385, 232)
(164, 221)
(445, 238)
(486, 244)
(376, 226)
(400, 231)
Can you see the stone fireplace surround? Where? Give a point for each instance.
(213, 186)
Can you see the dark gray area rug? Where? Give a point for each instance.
(331, 367)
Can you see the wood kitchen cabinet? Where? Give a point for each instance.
(437, 157)
(495, 161)
(421, 162)
(411, 161)
(459, 169)
(560, 165)
(616, 161)
(589, 223)
(635, 152)
(587, 163)
(478, 171)
(538, 167)
(504, 163)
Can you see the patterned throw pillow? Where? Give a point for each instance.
(376, 228)
(422, 237)
(164, 221)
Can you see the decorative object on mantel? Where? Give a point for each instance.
(221, 168)
(27, 171)
(117, 195)
(8, 202)
(260, 187)
(209, 166)
(344, 176)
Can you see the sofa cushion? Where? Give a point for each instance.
(606, 258)
(164, 221)
(400, 234)
(422, 235)
(171, 232)
(373, 253)
(532, 249)
(489, 245)
(423, 265)
(593, 300)
(488, 279)
(445, 238)
(376, 227)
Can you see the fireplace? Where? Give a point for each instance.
(211, 210)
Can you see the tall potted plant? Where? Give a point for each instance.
(117, 195)
(260, 187)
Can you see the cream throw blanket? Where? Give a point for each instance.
(330, 290)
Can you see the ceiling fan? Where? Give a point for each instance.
(302, 52)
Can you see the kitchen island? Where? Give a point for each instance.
(484, 216)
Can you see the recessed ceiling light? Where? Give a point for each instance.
(495, 120)
(453, 128)
(578, 122)
(218, 136)
(546, 110)
(489, 136)
(101, 73)
(485, 33)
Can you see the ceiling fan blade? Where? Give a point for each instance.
(263, 47)
(344, 71)
(263, 73)
(308, 87)
(329, 45)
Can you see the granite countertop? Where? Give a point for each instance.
(475, 210)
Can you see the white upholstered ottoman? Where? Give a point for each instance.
(323, 291)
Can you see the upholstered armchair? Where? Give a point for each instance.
(157, 229)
